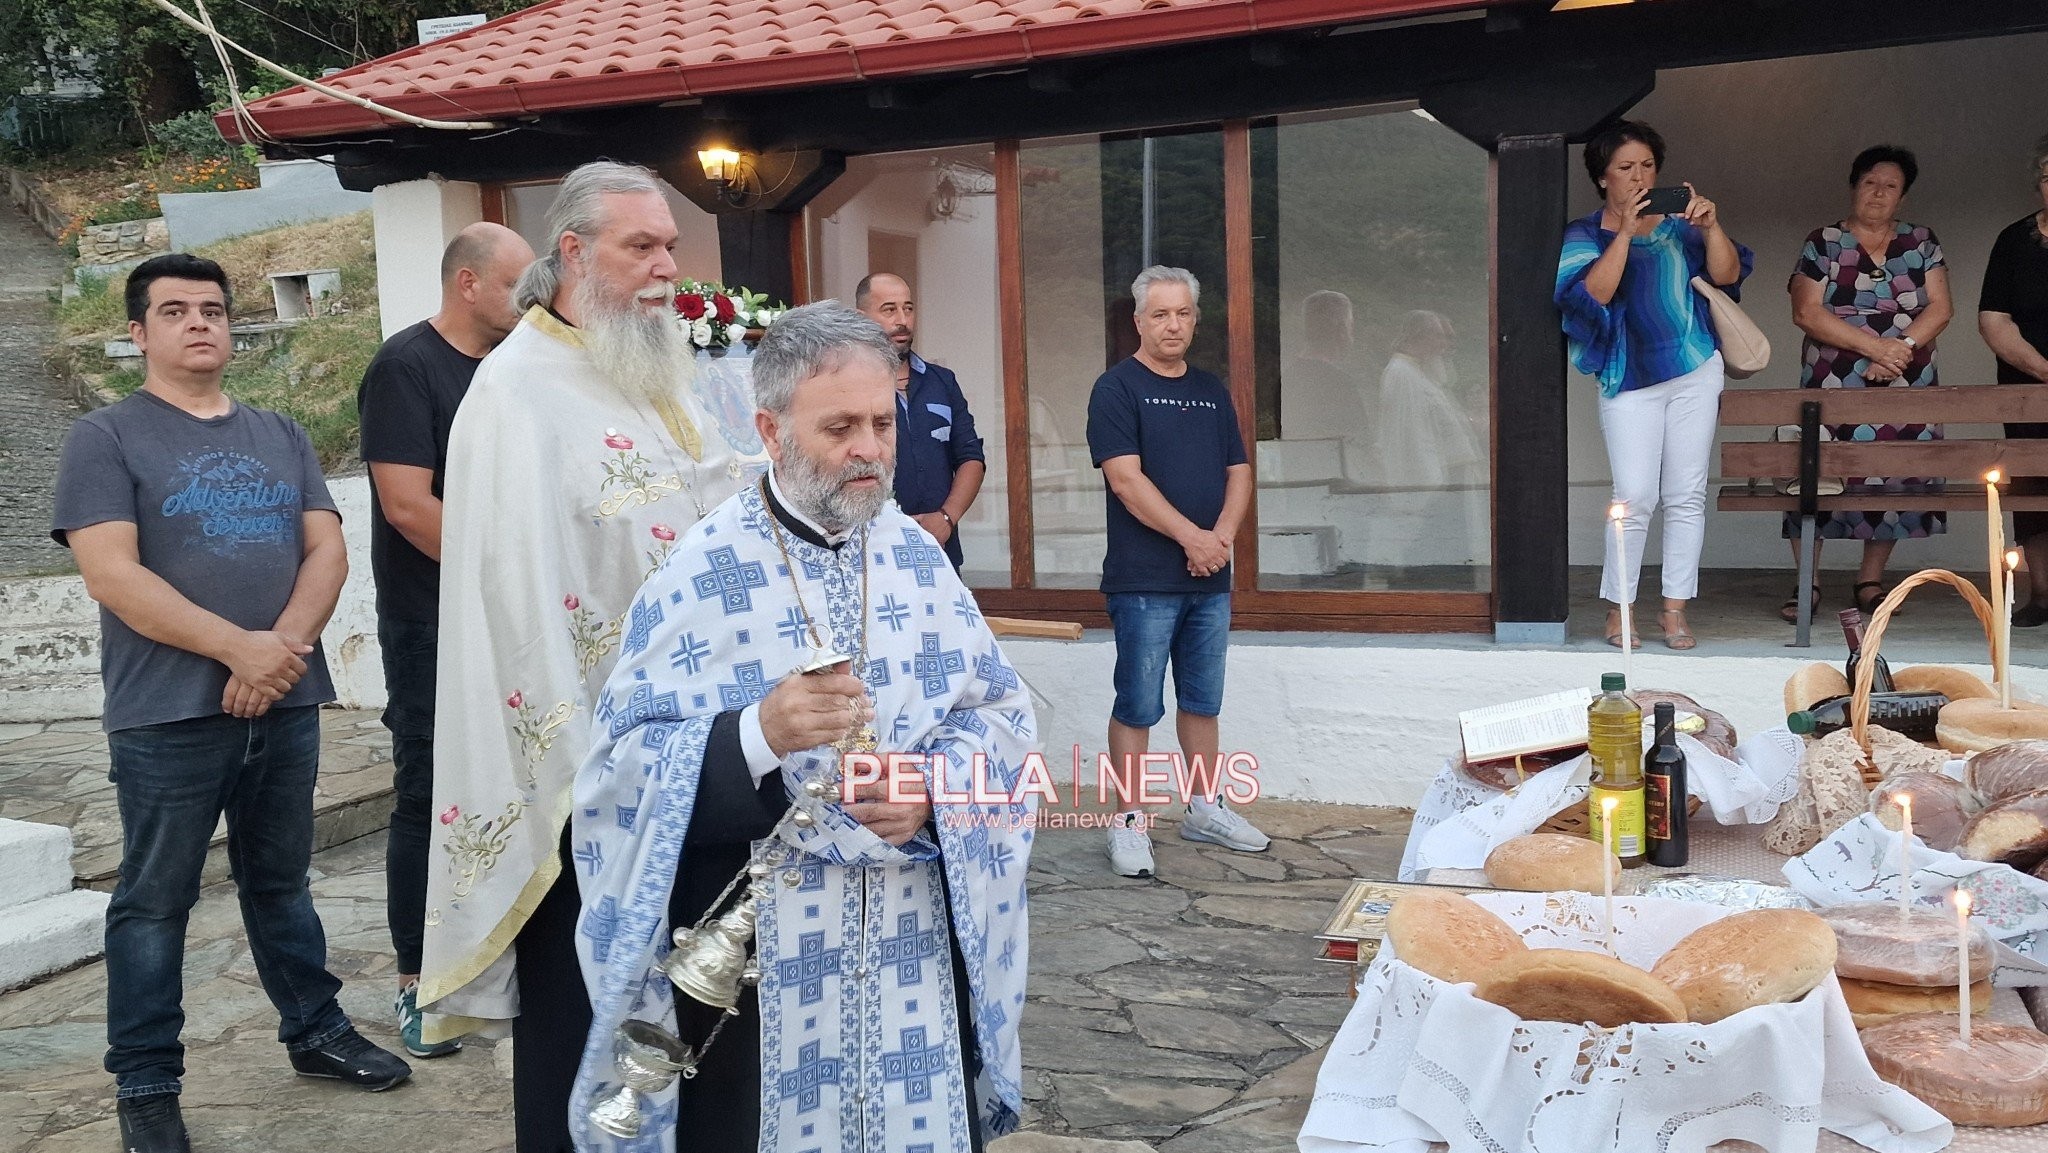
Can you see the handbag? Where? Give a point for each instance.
(1745, 351)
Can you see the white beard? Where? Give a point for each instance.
(638, 349)
(824, 498)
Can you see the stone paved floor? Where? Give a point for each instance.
(1184, 1014)
(34, 412)
(55, 773)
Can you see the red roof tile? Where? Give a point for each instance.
(573, 54)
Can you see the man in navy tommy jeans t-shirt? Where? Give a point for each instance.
(1166, 438)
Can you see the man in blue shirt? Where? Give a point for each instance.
(939, 462)
(1165, 435)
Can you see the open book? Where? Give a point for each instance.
(1537, 725)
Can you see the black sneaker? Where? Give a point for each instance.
(351, 1058)
(152, 1124)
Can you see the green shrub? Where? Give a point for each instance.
(133, 208)
(192, 134)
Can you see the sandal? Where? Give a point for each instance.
(1789, 612)
(1680, 638)
(1869, 604)
(1614, 631)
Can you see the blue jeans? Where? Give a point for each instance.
(409, 649)
(1193, 629)
(173, 781)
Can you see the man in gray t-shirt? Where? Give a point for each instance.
(204, 530)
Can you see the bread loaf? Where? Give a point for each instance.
(2000, 1080)
(1812, 685)
(1874, 943)
(2013, 831)
(2008, 770)
(1575, 987)
(1760, 957)
(1949, 681)
(1941, 807)
(1875, 1002)
(1716, 733)
(1449, 936)
(1974, 725)
(1549, 862)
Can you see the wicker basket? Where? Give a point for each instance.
(1576, 819)
(1866, 671)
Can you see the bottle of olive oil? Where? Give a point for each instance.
(1614, 730)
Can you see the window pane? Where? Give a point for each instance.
(1370, 240)
(526, 213)
(930, 218)
(1096, 211)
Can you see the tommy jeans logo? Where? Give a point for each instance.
(1177, 402)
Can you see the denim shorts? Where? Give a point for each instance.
(1191, 628)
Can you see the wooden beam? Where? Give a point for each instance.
(1969, 498)
(1016, 377)
(491, 197)
(1961, 404)
(1244, 374)
(800, 261)
(1041, 630)
(1963, 462)
(1276, 611)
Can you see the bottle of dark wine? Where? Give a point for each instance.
(1912, 714)
(1664, 796)
(1852, 631)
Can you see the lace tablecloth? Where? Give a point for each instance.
(1733, 851)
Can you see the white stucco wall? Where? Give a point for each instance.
(414, 221)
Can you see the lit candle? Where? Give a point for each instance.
(2004, 654)
(1520, 776)
(1607, 841)
(1963, 962)
(1625, 584)
(1905, 801)
(1996, 528)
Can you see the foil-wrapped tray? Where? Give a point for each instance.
(1731, 892)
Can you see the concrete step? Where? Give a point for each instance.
(40, 602)
(36, 860)
(51, 935)
(50, 697)
(51, 650)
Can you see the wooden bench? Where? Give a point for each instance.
(1964, 462)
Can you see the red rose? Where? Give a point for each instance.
(515, 700)
(449, 814)
(663, 532)
(723, 305)
(690, 304)
(570, 602)
(613, 438)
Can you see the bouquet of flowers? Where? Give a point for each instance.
(718, 317)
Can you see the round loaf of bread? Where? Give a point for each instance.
(1941, 807)
(1874, 943)
(2000, 1080)
(1875, 1002)
(2008, 770)
(2014, 831)
(1550, 862)
(1975, 725)
(1449, 936)
(1577, 987)
(1948, 680)
(1715, 731)
(1761, 957)
(1812, 685)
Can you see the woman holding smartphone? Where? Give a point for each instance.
(1871, 294)
(1634, 323)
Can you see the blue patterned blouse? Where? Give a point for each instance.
(1656, 328)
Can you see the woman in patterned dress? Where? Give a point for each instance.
(1871, 295)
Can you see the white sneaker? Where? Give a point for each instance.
(1130, 845)
(1220, 826)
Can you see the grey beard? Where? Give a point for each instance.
(639, 350)
(824, 498)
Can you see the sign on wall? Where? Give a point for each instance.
(439, 26)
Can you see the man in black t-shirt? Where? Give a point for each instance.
(407, 404)
(2013, 318)
(1166, 438)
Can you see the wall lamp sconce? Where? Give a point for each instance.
(731, 171)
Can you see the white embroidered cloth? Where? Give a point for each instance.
(1419, 1062)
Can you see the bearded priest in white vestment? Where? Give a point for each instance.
(577, 460)
(880, 1011)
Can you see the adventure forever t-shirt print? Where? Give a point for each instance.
(232, 501)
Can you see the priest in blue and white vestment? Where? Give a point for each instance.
(891, 936)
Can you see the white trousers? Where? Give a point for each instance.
(1660, 447)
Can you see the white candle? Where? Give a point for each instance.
(2004, 655)
(1607, 841)
(1996, 528)
(1905, 801)
(1963, 961)
(1624, 582)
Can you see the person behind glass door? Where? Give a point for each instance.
(2013, 318)
(1871, 294)
(939, 460)
(1633, 322)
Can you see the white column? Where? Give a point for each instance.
(415, 220)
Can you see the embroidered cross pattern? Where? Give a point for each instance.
(809, 968)
(909, 949)
(1000, 678)
(923, 559)
(936, 667)
(730, 581)
(914, 1065)
(646, 615)
(643, 706)
(893, 613)
(812, 1070)
(963, 607)
(600, 925)
(752, 687)
(689, 653)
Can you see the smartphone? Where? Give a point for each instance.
(1667, 201)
